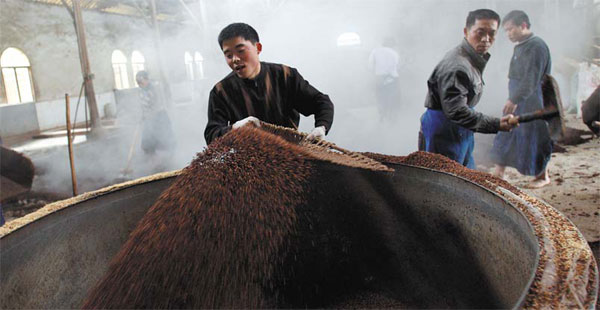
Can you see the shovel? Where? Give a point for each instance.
(126, 172)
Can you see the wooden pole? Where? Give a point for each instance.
(70, 141)
(85, 65)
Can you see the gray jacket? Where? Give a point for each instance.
(151, 100)
(455, 87)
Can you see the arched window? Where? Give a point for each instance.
(16, 74)
(189, 66)
(137, 63)
(348, 39)
(198, 59)
(119, 63)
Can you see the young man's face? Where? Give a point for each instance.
(482, 34)
(242, 57)
(142, 82)
(515, 33)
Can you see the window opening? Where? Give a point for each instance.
(16, 74)
(137, 63)
(198, 60)
(119, 63)
(189, 66)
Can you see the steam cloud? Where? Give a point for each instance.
(303, 34)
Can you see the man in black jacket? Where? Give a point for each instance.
(455, 87)
(259, 91)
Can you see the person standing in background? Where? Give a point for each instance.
(454, 88)
(528, 148)
(383, 61)
(157, 133)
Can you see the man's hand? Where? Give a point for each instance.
(508, 122)
(509, 107)
(317, 134)
(248, 120)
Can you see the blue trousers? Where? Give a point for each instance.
(441, 136)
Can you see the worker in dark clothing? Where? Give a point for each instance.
(590, 111)
(260, 91)
(528, 148)
(454, 88)
(157, 133)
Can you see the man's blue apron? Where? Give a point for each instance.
(527, 148)
(442, 136)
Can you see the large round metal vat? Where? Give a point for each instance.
(424, 238)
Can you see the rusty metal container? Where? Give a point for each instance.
(423, 238)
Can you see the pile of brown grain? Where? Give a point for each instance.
(16, 173)
(220, 235)
(215, 238)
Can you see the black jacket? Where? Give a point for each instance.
(456, 85)
(277, 95)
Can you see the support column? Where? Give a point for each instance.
(85, 66)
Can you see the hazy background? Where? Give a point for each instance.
(303, 35)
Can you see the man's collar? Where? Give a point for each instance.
(259, 77)
(261, 74)
(529, 37)
(478, 60)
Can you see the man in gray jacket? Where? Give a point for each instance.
(455, 87)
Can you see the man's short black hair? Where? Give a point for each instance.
(517, 17)
(481, 14)
(142, 75)
(238, 30)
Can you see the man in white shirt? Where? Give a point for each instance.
(383, 61)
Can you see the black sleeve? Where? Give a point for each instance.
(534, 67)
(590, 110)
(218, 117)
(454, 88)
(308, 101)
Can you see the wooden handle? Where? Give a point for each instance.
(70, 143)
(514, 121)
(539, 114)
